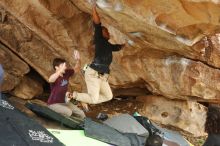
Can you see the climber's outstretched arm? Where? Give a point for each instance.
(95, 15)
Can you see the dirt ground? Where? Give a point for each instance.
(115, 107)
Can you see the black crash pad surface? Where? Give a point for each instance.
(17, 129)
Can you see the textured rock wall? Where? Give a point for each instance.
(187, 115)
(172, 46)
(14, 68)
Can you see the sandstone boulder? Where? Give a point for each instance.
(172, 49)
(28, 88)
(186, 115)
(14, 68)
(174, 77)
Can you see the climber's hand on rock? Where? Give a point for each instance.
(94, 3)
(124, 45)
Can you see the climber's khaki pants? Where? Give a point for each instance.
(98, 88)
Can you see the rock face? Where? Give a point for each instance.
(187, 115)
(178, 77)
(28, 88)
(14, 68)
(172, 45)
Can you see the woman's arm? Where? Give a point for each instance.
(95, 15)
